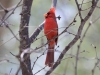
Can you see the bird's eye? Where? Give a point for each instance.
(48, 13)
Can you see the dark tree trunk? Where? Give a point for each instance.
(24, 37)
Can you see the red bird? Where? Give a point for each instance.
(51, 32)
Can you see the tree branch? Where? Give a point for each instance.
(78, 48)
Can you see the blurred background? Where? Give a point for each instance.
(67, 9)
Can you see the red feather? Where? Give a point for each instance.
(51, 32)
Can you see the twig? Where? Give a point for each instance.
(10, 71)
(2, 6)
(93, 70)
(79, 9)
(18, 70)
(78, 48)
(6, 60)
(39, 70)
(82, 3)
(10, 8)
(86, 9)
(37, 59)
(4, 19)
(95, 50)
(85, 2)
(7, 41)
(10, 13)
(36, 33)
(12, 32)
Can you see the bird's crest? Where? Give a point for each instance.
(52, 10)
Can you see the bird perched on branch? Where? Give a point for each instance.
(51, 33)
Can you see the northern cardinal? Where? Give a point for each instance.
(51, 32)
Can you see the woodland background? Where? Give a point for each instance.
(89, 47)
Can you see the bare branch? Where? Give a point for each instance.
(8, 40)
(93, 70)
(10, 71)
(39, 70)
(79, 9)
(3, 20)
(10, 8)
(18, 70)
(36, 33)
(77, 54)
(12, 32)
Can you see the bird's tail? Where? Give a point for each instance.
(50, 56)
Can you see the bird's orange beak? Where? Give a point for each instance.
(45, 15)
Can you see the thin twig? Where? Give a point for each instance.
(11, 12)
(39, 70)
(79, 9)
(93, 70)
(78, 48)
(18, 70)
(10, 8)
(37, 59)
(10, 71)
(7, 41)
(12, 32)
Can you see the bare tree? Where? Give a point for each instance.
(25, 41)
